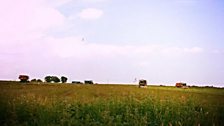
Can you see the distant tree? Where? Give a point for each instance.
(48, 79)
(24, 78)
(34, 80)
(39, 80)
(64, 79)
(55, 79)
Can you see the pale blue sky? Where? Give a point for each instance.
(114, 41)
(193, 22)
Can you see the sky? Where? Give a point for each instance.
(114, 41)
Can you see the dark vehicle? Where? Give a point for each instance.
(88, 82)
(76, 82)
(142, 83)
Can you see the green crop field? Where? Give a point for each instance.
(107, 105)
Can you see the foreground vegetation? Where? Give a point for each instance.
(67, 104)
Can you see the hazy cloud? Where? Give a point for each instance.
(58, 2)
(75, 47)
(90, 14)
(23, 25)
(187, 2)
(94, 1)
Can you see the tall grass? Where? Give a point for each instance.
(100, 105)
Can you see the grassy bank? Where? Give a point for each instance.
(66, 104)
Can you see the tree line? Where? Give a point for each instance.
(49, 79)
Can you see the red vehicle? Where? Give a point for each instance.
(180, 85)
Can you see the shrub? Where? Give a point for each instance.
(39, 80)
(55, 79)
(24, 78)
(48, 79)
(34, 80)
(64, 79)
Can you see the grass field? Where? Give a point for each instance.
(105, 105)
